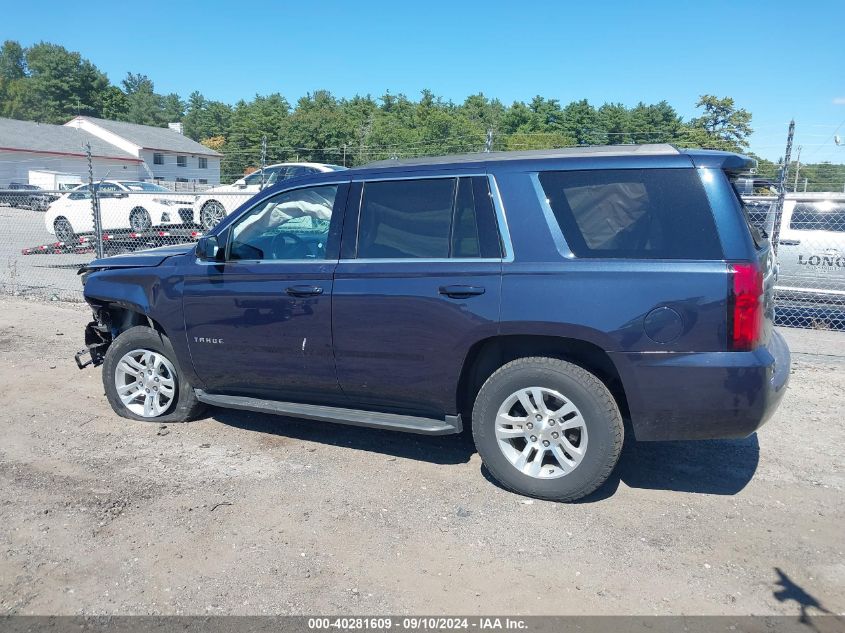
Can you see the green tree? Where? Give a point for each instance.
(59, 84)
(144, 106)
(721, 126)
(206, 119)
(12, 61)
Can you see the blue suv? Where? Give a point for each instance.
(543, 296)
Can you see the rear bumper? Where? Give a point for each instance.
(704, 395)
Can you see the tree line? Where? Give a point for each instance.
(48, 83)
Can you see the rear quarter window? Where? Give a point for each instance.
(632, 213)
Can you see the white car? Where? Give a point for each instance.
(216, 203)
(124, 204)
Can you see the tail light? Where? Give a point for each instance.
(745, 310)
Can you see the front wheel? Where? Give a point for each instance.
(142, 379)
(547, 428)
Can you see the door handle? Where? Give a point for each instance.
(304, 291)
(461, 292)
(789, 242)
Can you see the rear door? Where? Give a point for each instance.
(417, 284)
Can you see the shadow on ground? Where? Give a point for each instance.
(437, 449)
(721, 467)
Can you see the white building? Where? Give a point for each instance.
(121, 151)
(167, 155)
(25, 145)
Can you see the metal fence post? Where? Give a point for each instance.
(95, 204)
(782, 188)
(263, 158)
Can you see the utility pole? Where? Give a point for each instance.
(488, 145)
(797, 168)
(782, 186)
(344, 154)
(263, 158)
(95, 203)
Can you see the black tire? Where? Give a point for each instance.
(592, 398)
(63, 229)
(211, 214)
(139, 220)
(185, 406)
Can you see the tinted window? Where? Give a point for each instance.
(406, 219)
(818, 216)
(633, 213)
(290, 225)
(465, 242)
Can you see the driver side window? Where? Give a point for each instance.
(290, 225)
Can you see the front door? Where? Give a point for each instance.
(419, 285)
(259, 322)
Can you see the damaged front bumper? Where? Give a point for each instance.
(97, 340)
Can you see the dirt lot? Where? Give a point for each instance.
(249, 514)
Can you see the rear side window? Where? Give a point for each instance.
(818, 216)
(633, 213)
(435, 218)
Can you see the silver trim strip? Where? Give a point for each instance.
(436, 175)
(551, 221)
(501, 218)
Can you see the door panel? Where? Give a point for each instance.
(419, 285)
(399, 342)
(249, 335)
(259, 323)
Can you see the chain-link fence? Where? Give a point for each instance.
(46, 234)
(810, 243)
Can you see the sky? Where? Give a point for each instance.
(778, 60)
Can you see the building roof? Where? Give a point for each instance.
(568, 152)
(28, 136)
(149, 137)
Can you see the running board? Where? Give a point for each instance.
(354, 417)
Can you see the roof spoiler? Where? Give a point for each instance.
(722, 160)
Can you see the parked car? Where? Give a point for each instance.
(538, 296)
(24, 195)
(218, 202)
(124, 204)
(811, 256)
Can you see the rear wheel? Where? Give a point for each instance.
(139, 220)
(212, 214)
(547, 428)
(63, 229)
(143, 381)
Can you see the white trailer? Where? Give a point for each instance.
(53, 180)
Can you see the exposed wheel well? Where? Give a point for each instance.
(486, 356)
(120, 319)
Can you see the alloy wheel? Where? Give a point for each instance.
(145, 382)
(541, 433)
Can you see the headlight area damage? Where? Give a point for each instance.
(98, 337)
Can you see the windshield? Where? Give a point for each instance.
(144, 186)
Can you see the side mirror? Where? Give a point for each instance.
(208, 248)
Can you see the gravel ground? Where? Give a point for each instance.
(248, 514)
